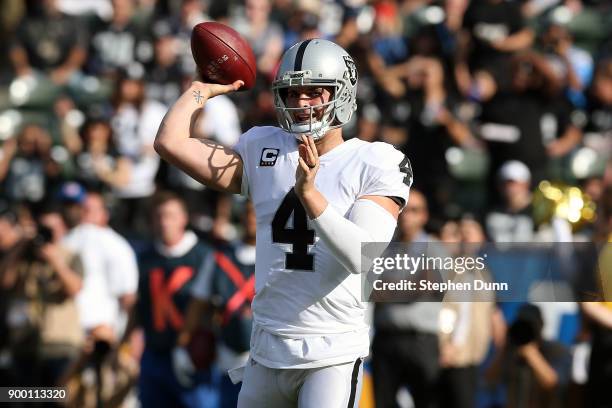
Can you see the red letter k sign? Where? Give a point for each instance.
(161, 296)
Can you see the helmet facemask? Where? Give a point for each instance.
(313, 127)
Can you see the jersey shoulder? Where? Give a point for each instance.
(381, 155)
(388, 170)
(263, 133)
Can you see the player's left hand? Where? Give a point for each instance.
(307, 167)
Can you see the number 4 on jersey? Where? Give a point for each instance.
(299, 236)
(406, 168)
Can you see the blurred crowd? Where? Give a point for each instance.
(111, 258)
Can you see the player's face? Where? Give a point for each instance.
(306, 97)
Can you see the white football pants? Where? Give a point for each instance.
(337, 386)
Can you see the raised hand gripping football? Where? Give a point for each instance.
(204, 90)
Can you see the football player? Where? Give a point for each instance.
(317, 198)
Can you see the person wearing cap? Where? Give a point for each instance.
(110, 270)
(512, 222)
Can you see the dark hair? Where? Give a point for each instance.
(116, 97)
(46, 207)
(8, 213)
(162, 197)
(528, 325)
(89, 124)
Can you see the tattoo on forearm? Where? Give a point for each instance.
(198, 97)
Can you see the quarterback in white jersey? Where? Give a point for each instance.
(317, 198)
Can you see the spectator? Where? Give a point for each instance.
(301, 24)
(228, 286)
(598, 124)
(95, 211)
(492, 31)
(511, 117)
(101, 376)
(572, 63)
(599, 314)
(69, 119)
(134, 123)
(433, 126)
(99, 166)
(118, 43)
(388, 41)
(40, 281)
(560, 126)
(179, 23)
(513, 222)
(164, 76)
(61, 334)
(534, 371)
(264, 36)
(455, 12)
(109, 264)
(599, 317)
(167, 273)
(10, 233)
(405, 347)
(10, 236)
(106, 371)
(50, 42)
(26, 166)
(467, 325)
(587, 21)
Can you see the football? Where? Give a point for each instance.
(222, 55)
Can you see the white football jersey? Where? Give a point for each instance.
(302, 291)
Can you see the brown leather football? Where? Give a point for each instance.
(222, 55)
